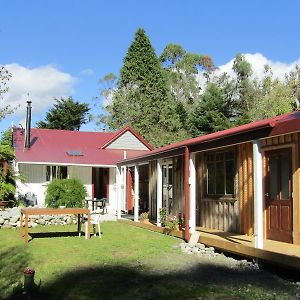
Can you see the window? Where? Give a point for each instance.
(220, 173)
(56, 172)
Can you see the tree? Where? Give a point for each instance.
(4, 78)
(142, 99)
(66, 114)
(182, 70)
(7, 178)
(213, 112)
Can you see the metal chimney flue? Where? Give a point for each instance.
(28, 125)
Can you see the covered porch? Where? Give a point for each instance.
(284, 254)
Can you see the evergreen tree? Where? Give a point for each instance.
(66, 114)
(142, 99)
(212, 113)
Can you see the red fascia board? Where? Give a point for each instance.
(135, 133)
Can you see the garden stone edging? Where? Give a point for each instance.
(10, 218)
(202, 250)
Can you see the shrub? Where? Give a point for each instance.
(163, 216)
(67, 192)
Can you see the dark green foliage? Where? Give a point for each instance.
(7, 179)
(66, 192)
(66, 114)
(142, 99)
(212, 113)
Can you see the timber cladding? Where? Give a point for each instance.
(152, 189)
(245, 187)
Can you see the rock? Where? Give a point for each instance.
(200, 246)
(6, 226)
(33, 225)
(1, 220)
(69, 221)
(195, 250)
(14, 219)
(6, 221)
(47, 218)
(41, 221)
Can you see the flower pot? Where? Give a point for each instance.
(28, 282)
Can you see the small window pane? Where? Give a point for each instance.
(273, 177)
(229, 177)
(170, 175)
(54, 174)
(211, 178)
(48, 173)
(62, 172)
(220, 180)
(210, 157)
(229, 155)
(285, 176)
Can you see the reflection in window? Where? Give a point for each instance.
(220, 173)
(56, 172)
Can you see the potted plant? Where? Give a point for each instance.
(29, 279)
(144, 217)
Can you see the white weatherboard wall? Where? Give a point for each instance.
(127, 141)
(35, 181)
(84, 174)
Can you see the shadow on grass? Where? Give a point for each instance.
(205, 281)
(12, 263)
(40, 235)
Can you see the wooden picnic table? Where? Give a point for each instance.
(53, 211)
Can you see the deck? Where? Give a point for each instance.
(284, 254)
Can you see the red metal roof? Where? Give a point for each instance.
(51, 146)
(282, 124)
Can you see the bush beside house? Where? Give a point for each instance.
(65, 192)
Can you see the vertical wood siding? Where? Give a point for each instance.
(178, 186)
(152, 188)
(245, 188)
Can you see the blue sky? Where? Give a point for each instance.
(64, 47)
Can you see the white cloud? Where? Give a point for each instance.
(42, 83)
(258, 61)
(87, 72)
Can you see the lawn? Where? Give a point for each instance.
(127, 263)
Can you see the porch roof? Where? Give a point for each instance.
(278, 125)
(69, 147)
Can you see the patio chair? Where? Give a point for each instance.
(95, 220)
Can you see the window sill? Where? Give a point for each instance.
(220, 199)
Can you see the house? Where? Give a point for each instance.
(239, 184)
(46, 154)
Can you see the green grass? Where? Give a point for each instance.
(127, 263)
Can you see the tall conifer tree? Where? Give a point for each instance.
(142, 98)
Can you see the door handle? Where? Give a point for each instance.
(267, 194)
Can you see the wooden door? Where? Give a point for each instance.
(129, 185)
(278, 195)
